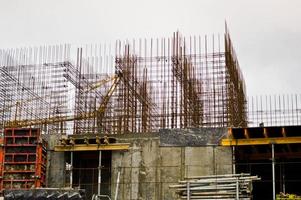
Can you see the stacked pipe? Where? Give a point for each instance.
(228, 186)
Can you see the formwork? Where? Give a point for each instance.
(24, 159)
(272, 153)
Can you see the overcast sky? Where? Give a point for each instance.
(266, 34)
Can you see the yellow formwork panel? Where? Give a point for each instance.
(287, 197)
(260, 141)
(93, 147)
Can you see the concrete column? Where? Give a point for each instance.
(56, 163)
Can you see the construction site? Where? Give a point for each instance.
(146, 119)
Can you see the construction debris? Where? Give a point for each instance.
(229, 186)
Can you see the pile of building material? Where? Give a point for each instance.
(229, 186)
(45, 193)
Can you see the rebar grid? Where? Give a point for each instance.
(174, 82)
(32, 85)
(274, 110)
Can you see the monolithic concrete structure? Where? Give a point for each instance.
(153, 162)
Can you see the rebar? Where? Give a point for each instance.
(174, 82)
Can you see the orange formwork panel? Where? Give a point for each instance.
(24, 159)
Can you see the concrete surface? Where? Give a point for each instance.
(156, 161)
(55, 164)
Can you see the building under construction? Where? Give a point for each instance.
(129, 121)
(172, 82)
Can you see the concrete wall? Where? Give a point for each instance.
(55, 164)
(149, 167)
(155, 161)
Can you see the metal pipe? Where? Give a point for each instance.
(117, 185)
(233, 160)
(99, 173)
(273, 171)
(118, 177)
(237, 189)
(188, 191)
(283, 178)
(71, 169)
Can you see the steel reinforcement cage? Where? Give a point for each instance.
(174, 82)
